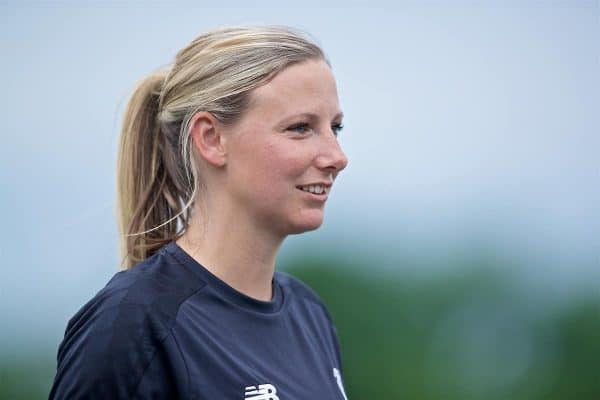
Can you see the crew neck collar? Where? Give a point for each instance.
(229, 293)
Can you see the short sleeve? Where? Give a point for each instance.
(106, 354)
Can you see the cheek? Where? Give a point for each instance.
(279, 167)
(268, 167)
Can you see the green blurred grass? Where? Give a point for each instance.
(464, 335)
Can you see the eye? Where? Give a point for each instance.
(302, 127)
(337, 128)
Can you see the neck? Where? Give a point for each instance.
(235, 250)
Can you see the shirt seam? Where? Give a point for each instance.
(168, 331)
(187, 370)
(172, 333)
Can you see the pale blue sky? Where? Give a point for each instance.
(467, 123)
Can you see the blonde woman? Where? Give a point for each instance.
(222, 155)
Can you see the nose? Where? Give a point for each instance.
(332, 158)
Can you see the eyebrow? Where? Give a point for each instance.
(312, 116)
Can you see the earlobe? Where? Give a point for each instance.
(207, 137)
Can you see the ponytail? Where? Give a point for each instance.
(149, 190)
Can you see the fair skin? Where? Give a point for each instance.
(253, 170)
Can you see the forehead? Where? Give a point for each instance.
(304, 87)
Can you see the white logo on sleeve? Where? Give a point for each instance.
(338, 378)
(263, 392)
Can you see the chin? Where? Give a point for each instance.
(306, 225)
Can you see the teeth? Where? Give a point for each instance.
(317, 189)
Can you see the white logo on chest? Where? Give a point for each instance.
(263, 392)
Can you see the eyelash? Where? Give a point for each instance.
(337, 128)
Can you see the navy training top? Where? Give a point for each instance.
(168, 328)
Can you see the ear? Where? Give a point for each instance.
(207, 136)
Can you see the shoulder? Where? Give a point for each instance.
(313, 311)
(110, 342)
(155, 287)
(301, 291)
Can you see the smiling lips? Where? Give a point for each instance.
(316, 188)
(317, 191)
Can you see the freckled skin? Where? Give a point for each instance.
(267, 160)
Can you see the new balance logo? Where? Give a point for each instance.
(263, 392)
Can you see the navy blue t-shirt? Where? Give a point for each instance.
(168, 329)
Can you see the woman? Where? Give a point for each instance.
(221, 157)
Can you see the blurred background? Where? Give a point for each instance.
(459, 256)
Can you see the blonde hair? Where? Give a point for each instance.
(157, 173)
